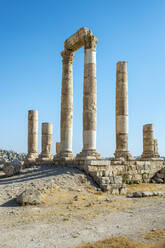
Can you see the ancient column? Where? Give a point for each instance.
(122, 111)
(58, 147)
(32, 135)
(148, 141)
(156, 153)
(67, 105)
(89, 99)
(47, 133)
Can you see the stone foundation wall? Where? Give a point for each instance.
(113, 175)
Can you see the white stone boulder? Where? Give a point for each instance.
(30, 196)
(12, 168)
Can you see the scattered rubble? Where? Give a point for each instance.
(159, 176)
(148, 194)
(9, 156)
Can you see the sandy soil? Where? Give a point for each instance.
(74, 211)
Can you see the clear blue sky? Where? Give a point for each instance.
(32, 33)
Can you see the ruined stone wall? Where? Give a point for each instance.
(112, 175)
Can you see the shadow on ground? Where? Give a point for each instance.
(10, 203)
(37, 173)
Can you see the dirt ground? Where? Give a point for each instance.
(74, 211)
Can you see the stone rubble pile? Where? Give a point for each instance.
(159, 177)
(11, 162)
(9, 156)
(12, 168)
(148, 193)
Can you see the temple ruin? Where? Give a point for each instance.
(109, 174)
(82, 37)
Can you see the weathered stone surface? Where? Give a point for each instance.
(147, 194)
(122, 111)
(67, 105)
(89, 100)
(123, 191)
(47, 133)
(137, 194)
(12, 168)
(158, 180)
(58, 144)
(32, 135)
(159, 176)
(150, 145)
(29, 197)
(76, 41)
(82, 37)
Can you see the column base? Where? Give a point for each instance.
(30, 158)
(88, 155)
(64, 156)
(150, 156)
(123, 155)
(44, 158)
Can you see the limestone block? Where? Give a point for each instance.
(90, 56)
(123, 191)
(115, 191)
(76, 41)
(137, 194)
(29, 197)
(118, 179)
(147, 194)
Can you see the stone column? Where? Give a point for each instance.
(47, 133)
(58, 147)
(148, 141)
(156, 153)
(67, 105)
(122, 111)
(32, 135)
(89, 99)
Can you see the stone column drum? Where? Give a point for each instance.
(156, 153)
(32, 135)
(148, 141)
(67, 105)
(47, 133)
(122, 111)
(58, 147)
(89, 99)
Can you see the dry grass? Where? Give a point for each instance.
(145, 187)
(155, 235)
(69, 206)
(117, 242)
(72, 205)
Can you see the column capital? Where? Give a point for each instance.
(90, 41)
(68, 56)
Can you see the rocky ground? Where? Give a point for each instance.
(9, 156)
(73, 210)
